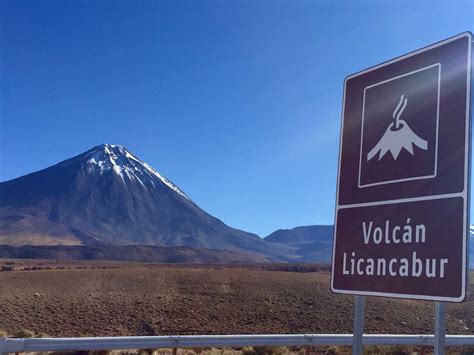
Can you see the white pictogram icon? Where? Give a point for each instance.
(398, 136)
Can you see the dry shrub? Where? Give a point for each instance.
(104, 352)
(24, 333)
(146, 351)
(372, 349)
(164, 351)
(265, 350)
(42, 335)
(339, 349)
(207, 351)
(398, 350)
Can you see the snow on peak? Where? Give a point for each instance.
(117, 158)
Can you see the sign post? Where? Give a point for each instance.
(359, 306)
(401, 219)
(440, 328)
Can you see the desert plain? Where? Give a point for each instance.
(112, 299)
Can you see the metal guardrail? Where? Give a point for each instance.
(218, 341)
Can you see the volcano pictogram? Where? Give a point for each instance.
(397, 136)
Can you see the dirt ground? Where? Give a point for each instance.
(125, 299)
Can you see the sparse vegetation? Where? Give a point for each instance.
(372, 350)
(143, 299)
(42, 335)
(24, 333)
(146, 352)
(333, 350)
(327, 350)
(266, 350)
(398, 350)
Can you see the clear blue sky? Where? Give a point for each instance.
(237, 102)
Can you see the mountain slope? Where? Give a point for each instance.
(109, 196)
(310, 243)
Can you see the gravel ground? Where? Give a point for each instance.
(162, 300)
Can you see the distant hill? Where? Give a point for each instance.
(314, 243)
(309, 243)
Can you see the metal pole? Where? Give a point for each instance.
(359, 305)
(440, 328)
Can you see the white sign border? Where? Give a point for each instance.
(463, 194)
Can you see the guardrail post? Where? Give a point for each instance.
(440, 328)
(359, 305)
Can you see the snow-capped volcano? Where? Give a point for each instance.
(107, 195)
(117, 158)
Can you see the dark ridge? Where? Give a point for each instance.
(135, 253)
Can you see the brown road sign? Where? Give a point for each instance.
(402, 194)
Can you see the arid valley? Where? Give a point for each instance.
(100, 299)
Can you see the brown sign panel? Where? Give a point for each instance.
(402, 197)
